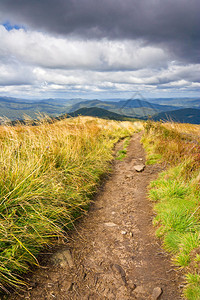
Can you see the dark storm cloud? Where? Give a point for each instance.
(173, 23)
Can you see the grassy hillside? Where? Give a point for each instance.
(176, 194)
(99, 112)
(186, 115)
(48, 174)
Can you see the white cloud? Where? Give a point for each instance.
(41, 64)
(43, 50)
(15, 74)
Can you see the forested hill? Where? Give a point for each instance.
(185, 115)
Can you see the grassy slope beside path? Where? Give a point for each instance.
(176, 194)
(48, 174)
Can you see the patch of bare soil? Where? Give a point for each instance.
(113, 252)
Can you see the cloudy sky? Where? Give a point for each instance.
(99, 48)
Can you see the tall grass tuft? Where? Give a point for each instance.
(48, 174)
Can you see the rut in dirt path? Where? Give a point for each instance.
(113, 253)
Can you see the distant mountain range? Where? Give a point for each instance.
(185, 115)
(17, 109)
(133, 108)
(181, 102)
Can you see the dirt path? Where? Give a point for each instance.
(113, 253)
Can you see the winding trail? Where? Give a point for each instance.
(113, 252)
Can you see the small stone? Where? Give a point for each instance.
(59, 259)
(181, 286)
(139, 168)
(119, 270)
(113, 212)
(68, 286)
(123, 232)
(49, 285)
(110, 224)
(132, 285)
(52, 295)
(140, 290)
(140, 159)
(128, 176)
(131, 234)
(68, 257)
(157, 291)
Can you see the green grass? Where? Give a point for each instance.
(193, 289)
(48, 175)
(121, 154)
(176, 194)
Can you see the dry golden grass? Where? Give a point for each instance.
(48, 174)
(184, 128)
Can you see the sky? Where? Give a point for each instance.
(99, 48)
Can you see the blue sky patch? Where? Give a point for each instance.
(10, 26)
